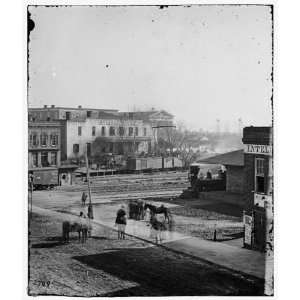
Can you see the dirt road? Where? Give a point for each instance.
(105, 266)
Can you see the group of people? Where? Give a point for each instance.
(156, 221)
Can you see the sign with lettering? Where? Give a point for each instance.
(248, 229)
(258, 149)
(262, 200)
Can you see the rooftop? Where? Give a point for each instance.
(72, 108)
(233, 158)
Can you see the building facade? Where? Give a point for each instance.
(106, 135)
(258, 158)
(44, 141)
(101, 131)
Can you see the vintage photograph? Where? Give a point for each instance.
(150, 150)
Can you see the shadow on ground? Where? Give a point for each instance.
(46, 245)
(222, 208)
(158, 275)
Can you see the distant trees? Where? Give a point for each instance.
(188, 144)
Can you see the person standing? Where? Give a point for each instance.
(208, 175)
(83, 227)
(121, 222)
(157, 228)
(83, 198)
(148, 216)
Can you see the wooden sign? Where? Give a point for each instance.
(248, 230)
(258, 149)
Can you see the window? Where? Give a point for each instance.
(111, 147)
(136, 131)
(44, 159)
(103, 130)
(35, 161)
(88, 114)
(121, 131)
(130, 131)
(44, 139)
(259, 175)
(75, 148)
(68, 115)
(35, 141)
(53, 158)
(53, 140)
(93, 131)
(88, 149)
(145, 131)
(112, 131)
(79, 130)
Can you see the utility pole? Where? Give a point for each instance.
(90, 207)
(30, 192)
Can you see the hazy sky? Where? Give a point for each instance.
(200, 63)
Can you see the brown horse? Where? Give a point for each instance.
(158, 210)
(81, 229)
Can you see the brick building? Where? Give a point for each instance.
(44, 144)
(102, 131)
(258, 159)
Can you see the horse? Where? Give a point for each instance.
(158, 210)
(136, 210)
(81, 229)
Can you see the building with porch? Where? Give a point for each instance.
(100, 131)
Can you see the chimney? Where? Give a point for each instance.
(79, 106)
(45, 106)
(52, 106)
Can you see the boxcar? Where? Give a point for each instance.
(44, 178)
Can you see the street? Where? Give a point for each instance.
(107, 266)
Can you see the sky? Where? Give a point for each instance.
(200, 63)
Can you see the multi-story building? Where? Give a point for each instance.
(44, 140)
(160, 120)
(50, 113)
(101, 131)
(108, 133)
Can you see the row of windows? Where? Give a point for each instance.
(76, 148)
(132, 131)
(35, 140)
(45, 162)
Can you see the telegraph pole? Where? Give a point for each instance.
(90, 207)
(30, 192)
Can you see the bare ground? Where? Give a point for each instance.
(105, 266)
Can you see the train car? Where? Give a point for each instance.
(153, 164)
(44, 178)
(172, 163)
